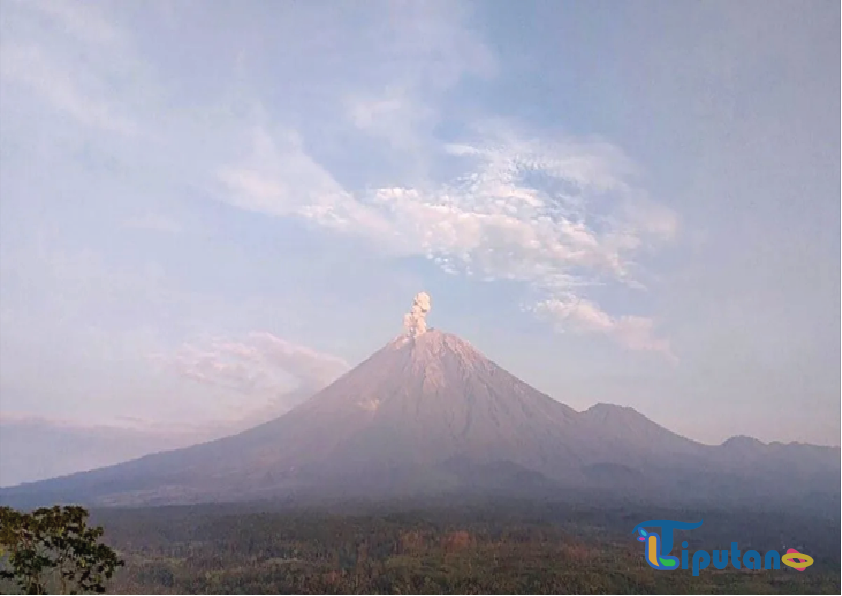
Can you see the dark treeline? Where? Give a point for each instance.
(477, 547)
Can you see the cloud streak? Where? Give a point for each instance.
(558, 214)
(29, 66)
(259, 364)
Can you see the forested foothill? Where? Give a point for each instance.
(473, 546)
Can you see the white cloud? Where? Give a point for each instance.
(64, 87)
(424, 50)
(277, 177)
(583, 316)
(396, 115)
(260, 364)
(556, 215)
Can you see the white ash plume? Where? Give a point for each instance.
(413, 322)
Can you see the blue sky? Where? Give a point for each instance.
(204, 205)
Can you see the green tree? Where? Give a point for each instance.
(53, 549)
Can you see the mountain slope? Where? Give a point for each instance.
(419, 404)
(629, 437)
(427, 414)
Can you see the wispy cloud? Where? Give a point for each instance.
(154, 428)
(583, 316)
(558, 215)
(81, 20)
(406, 129)
(30, 66)
(277, 177)
(259, 364)
(155, 222)
(426, 50)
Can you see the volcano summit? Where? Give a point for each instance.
(429, 414)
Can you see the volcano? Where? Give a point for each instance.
(429, 414)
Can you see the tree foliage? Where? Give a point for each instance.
(470, 549)
(52, 549)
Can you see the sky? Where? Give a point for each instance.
(209, 210)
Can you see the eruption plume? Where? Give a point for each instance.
(413, 322)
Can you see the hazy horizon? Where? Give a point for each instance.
(210, 210)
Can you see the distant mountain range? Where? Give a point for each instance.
(430, 415)
(33, 448)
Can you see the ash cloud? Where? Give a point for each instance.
(414, 322)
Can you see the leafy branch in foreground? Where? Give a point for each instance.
(53, 549)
